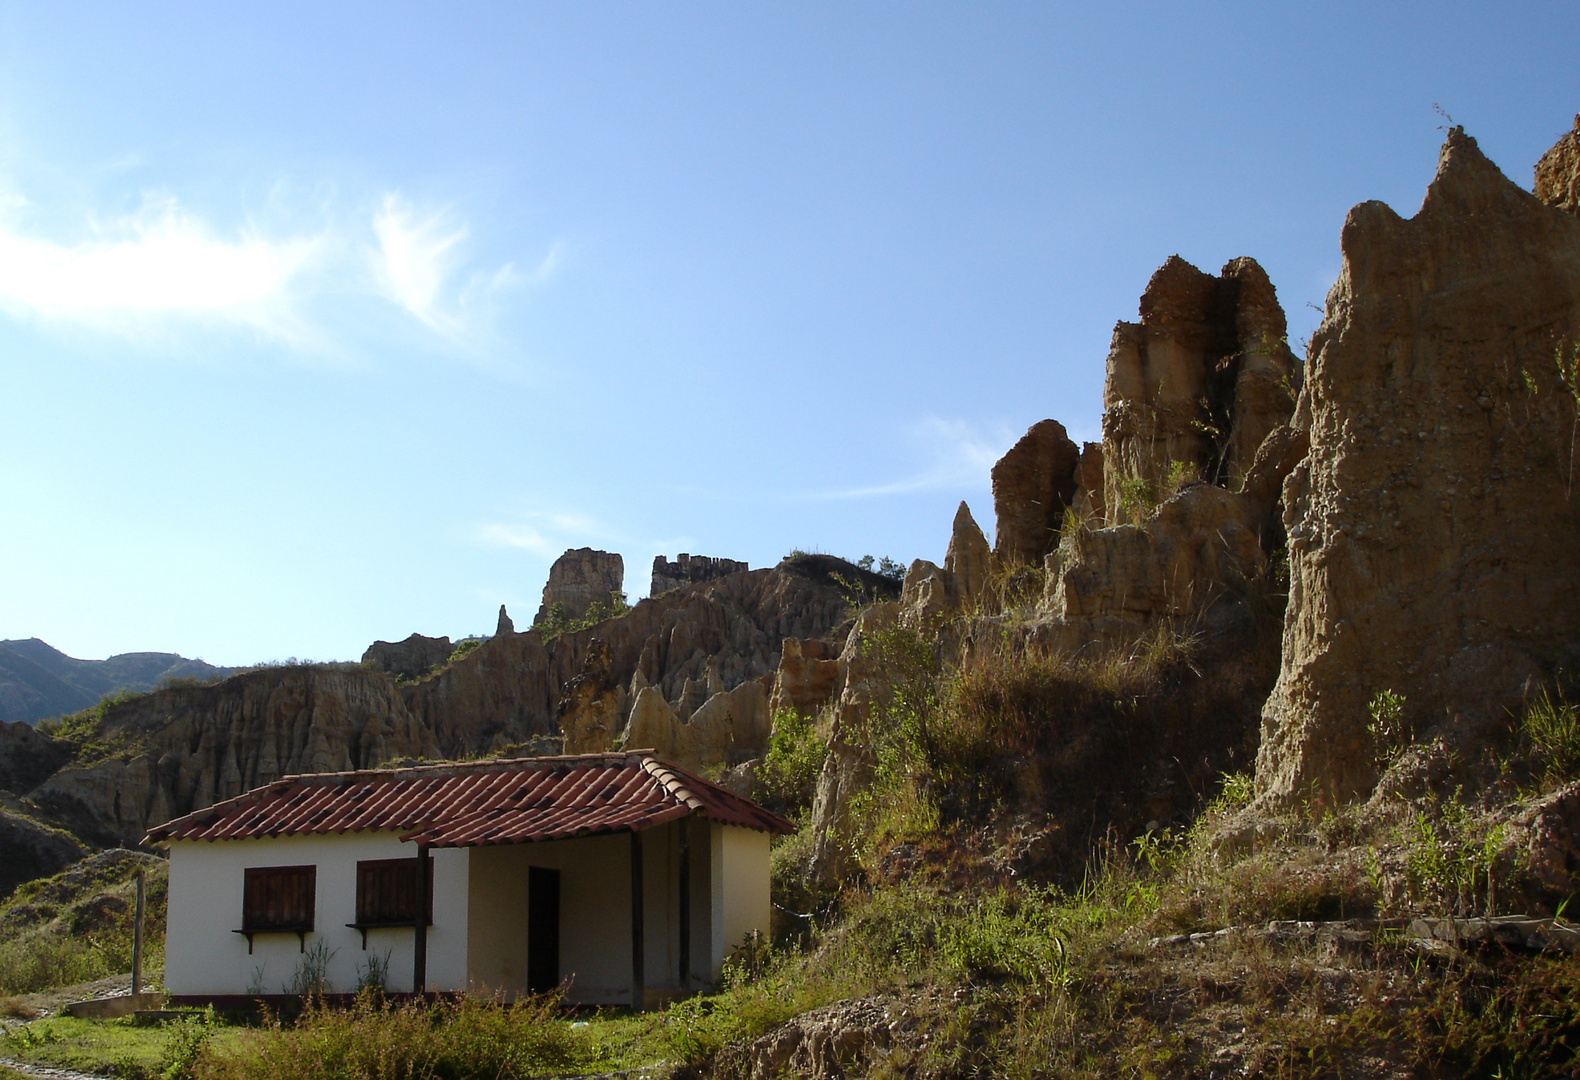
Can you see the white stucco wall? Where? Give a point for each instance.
(741, 899)
(479, 936)
(203, 956)
(595, 915)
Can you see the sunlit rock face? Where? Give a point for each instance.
(1432, 523)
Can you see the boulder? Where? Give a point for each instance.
(1558, 173)
(1431, 524)
(580, 578)
(1032, 485)
(411, 658)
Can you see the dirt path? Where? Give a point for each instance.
(48, 1072)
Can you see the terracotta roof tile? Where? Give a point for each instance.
(508, 801)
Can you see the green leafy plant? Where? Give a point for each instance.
(790, 768)
(1389, 731)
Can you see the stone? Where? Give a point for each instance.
(581, 578)
(1195, 386)
(505, 626)
(729, 728)
(1032, 484)
(690, 570)
(1558, 173)
(1431, 522)
(411, 658)
(847, 768)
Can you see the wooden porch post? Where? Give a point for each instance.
(419, 962)
(685, 904)
(637, 943)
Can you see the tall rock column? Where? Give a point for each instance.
(580, 578)
(1432, 525)
(1197, 384)
(1032, 485)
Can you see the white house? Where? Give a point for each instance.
(623, 877)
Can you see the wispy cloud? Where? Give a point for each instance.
(158, 262)
(951, 452)
(166, 266)
(546, 533)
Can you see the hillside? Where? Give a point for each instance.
(38, 681)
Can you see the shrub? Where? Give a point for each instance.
(461, 1040)
(788, 777)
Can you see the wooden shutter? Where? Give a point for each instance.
(387, 893)
(279, 897)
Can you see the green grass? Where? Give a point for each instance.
(120, 1046)
(77, 925)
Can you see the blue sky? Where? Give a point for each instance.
(321, 323)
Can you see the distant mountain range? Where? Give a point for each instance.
(38, 681)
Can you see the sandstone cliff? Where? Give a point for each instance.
(1431, 525)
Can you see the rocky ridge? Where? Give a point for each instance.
(181, 749)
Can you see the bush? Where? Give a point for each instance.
(460, 1040)
(788, 777)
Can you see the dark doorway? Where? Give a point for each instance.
(543, 929)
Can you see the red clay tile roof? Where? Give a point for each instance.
(507, 801)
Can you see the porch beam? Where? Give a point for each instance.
(638, 960)
(684, 825)
(419, 961)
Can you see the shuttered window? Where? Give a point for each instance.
(387, 893)
(278, 898)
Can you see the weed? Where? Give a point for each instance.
(460, 1040)
(312, 973)
(1550, 728)
(1389, 731)
(557, 619)
(375, 974)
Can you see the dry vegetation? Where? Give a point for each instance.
(981, 934)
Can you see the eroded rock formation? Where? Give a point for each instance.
(191, 747)
(931, 592)
(411, 658)
(689, 570)
(1195, 386)
(1033, 483)
(1558, 173)
(580, 578)
(1432, 523)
